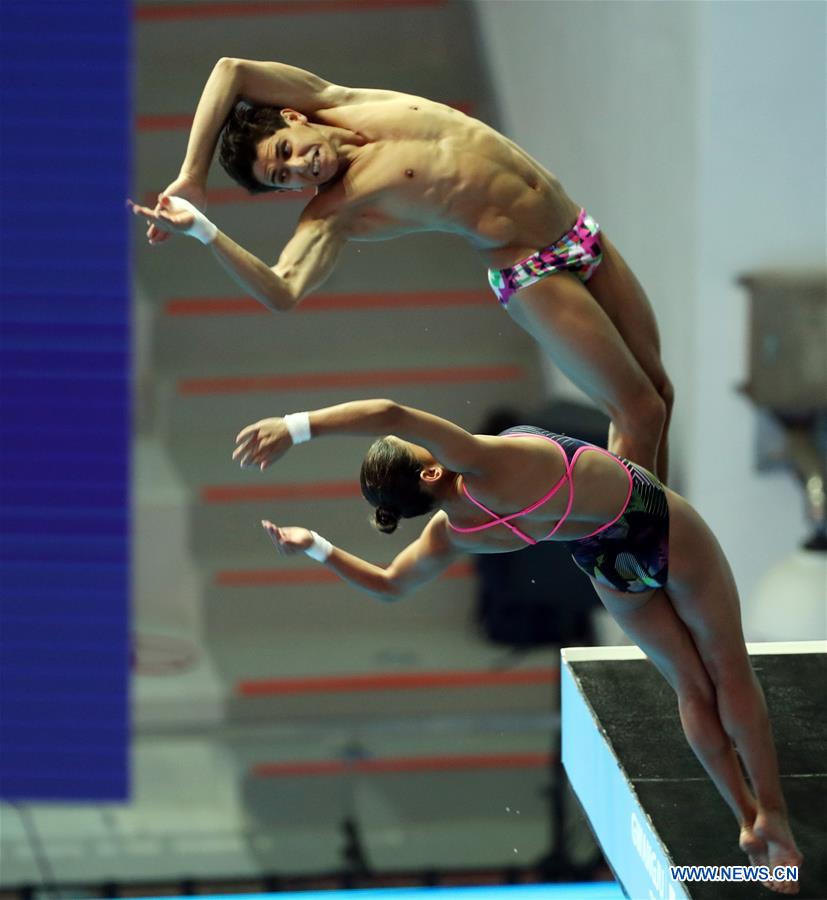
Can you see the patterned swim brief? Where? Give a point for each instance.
(578, 251)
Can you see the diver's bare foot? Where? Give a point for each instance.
(753, 846)
(774, 830)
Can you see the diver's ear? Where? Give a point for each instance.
(292, 117)
(432, 474)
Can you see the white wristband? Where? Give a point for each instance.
(320, 549)
(202, 228)
(298, 424)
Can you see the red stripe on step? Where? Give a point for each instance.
(314, 575)
(243, 306)
(319, 381)
(396, 681)
(172, 11)
(168, 122)
(216, 196)
(453, 763)
(183, 121)
(253, 493)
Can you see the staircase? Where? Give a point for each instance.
(412, 319)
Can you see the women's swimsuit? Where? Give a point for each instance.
(630, 553)
(577, 251)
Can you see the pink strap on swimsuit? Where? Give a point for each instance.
(566, 478)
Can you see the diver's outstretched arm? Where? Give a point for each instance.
(263, 442)
(420, 562)
(305, 263)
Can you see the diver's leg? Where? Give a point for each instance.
(619, 293)
(579, 337)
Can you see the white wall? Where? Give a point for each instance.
(694, 133)
(600, 94)
(761, 73)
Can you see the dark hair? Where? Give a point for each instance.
(245, 128)
(390, 482)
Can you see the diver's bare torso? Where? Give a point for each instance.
(424, 166)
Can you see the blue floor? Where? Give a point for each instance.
(602, 890)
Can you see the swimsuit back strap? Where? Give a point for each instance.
(628, 492)
(496, 520)
(569, 477)
(506, 520)
(566, 476)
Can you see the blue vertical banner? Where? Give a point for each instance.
(64, 399)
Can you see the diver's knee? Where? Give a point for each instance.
(666, 391)
(645, 412)
(696, 705)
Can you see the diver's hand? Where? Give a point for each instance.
(262, 443)
(177, 216)
(188, 189)
(290, 540)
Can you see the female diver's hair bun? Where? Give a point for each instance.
(385, 519)
(391, 483)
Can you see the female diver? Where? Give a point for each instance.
(652, 560)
